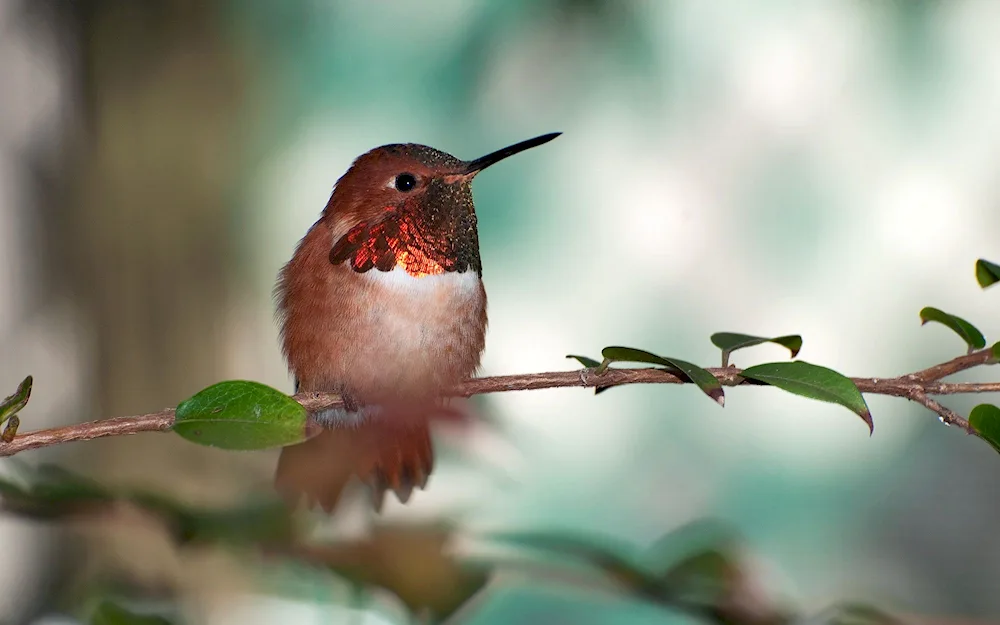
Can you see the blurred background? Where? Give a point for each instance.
(823, 168)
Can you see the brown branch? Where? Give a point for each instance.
(916, 387)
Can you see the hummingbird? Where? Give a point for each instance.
(383, 303)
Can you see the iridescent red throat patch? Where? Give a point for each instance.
(420, 247)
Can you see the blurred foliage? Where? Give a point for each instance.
(698, 570)
(109, 613)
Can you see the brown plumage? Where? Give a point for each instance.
(383, 303)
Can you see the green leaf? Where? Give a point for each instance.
(241, 415)
(729, 342)
(814, 382)
(972, 336)
(985, 419)
(693, 373)
(995, 351)
(15, 402)
(589, 363)
(109, 613)
(987, 273)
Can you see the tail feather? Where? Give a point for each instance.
(404, 462)
(392, 457)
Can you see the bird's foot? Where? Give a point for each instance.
(350, 413)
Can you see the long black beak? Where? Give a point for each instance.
(473, 167)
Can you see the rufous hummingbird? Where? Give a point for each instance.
(383, 303)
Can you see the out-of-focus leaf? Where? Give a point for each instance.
(853, 614)
(985, 419)
(589, 363)
(13, 404)
(50, 492)
(729, 342)
(705, 579)
(59, 483)
(411, 562)
(258, 522)
(693, 373)
(241, 415)
(615, 559)
(987, 273)
(968, 332)
(110, 613)
(814, 382)
(995, 351)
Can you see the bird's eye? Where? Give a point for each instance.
(405, 182)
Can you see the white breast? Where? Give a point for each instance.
(452, 283)
(423, 314)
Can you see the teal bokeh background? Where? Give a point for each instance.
(823, 168)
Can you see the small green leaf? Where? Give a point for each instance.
(14, 403)
(814, 382)
(985, 419)
(972, 336)
(241, 415)
(693, 373)
(589, 363)
(729, 342)
(995, 351)
(10, 430)
(109, 613)
(987, 273)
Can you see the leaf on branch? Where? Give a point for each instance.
(15, 402)
(729, 342)
(588, 363)
(985, 420)
(241, 415)
(10, 430)
(683, 369)
(987, 273)
(995, 352)
(969, 333)
(815, 382)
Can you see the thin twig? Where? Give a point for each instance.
(954, 366)
(917, 387)
(947, 415)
